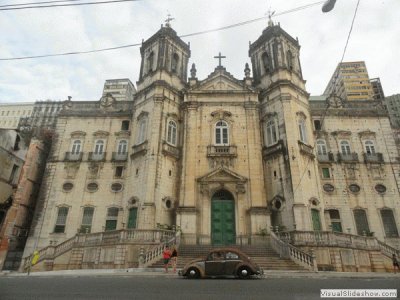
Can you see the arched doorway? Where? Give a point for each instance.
(223, 218)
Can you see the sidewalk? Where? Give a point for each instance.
(159, 272)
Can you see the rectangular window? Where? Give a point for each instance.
(13, 174)
(87, 218)
(326, 173)
(118, 171)
(125, 125)
(217, 136)
(317, 124)
(61, 220)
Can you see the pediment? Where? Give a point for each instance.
(220, 80)
(222, 175)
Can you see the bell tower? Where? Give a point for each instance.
(291, 171)
(164, 57)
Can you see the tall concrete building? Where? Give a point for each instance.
(350, 81)
(377, 89)
(393, 107)
(222, 159)
(120, 89)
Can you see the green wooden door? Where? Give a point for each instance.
(316, 220)
(223, 222)
(132, 217)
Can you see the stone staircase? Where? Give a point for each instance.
(263, 255)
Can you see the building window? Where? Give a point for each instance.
(345, 147)
(112, 217)
(336, 223)
(389, 223)
(317, 124)
(303, 130)
(380, 188)
(271, 132)
(92, 187)
(171, 134)
(329, 188)
(266, 62)
(141, 131)
(76, 147)
(360, 218)
(118, 171)
(321, 147)
(326, 173)
(175, 63)
(122, 147)
(290, 60)
(369, 148)
(221, 133)
(87, 218)
(13, 175)
(61, 220)
(125, 125)
(150, 60)
(99, 147)
(354, 188)
(116, 187)
(68, 186)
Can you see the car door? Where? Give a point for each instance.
(215, 264)
(232, 259)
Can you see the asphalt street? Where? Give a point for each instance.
(156, 287)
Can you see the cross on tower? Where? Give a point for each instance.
(168, 20)
(270, 14)
(219, 58)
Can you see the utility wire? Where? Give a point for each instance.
(181, 36)
(333, 94)
(35, 3)
(70, 4)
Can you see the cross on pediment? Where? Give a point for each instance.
(219, 58)
(168, 20)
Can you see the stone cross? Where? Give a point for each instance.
(168, 20)
(219, 58)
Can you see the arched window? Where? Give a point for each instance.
(99, 147)
(141, 131)
(112, 218)
(345, 147)
(150, 61)
(302, 130)
(369, 147)
(271, 132)
(122, 146)
(221, 133)
(266, 62)
(289, 59)
(76, 147)
(171, 134)
(321, 147)
(175, 63)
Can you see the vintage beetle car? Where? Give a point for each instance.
(222, 262)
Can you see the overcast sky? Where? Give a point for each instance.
(322, 36)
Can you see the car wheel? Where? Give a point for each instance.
(193, 273)
(244, 272)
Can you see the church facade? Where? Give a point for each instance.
(223, 159)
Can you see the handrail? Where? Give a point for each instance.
(300, 257)
(155, 253)
(100, 238)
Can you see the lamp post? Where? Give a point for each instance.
(328, 5)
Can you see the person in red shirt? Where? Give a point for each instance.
(166, 257)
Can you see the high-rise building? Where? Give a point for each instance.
(377, 89)
(350, 81)
(10, 113)
(120, 89)
(393, 107)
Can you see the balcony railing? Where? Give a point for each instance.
(139, 149)
(93, 156)
(306, 149)
(229, 151)
(347, 157)
(328, 157)
(70, 156)
(373, 158)
(116, 156)
(270, 151)
(168, 149)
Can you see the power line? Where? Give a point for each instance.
(70, 4)
(181, 36)
(35, 3)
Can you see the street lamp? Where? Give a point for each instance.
(328, 5)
